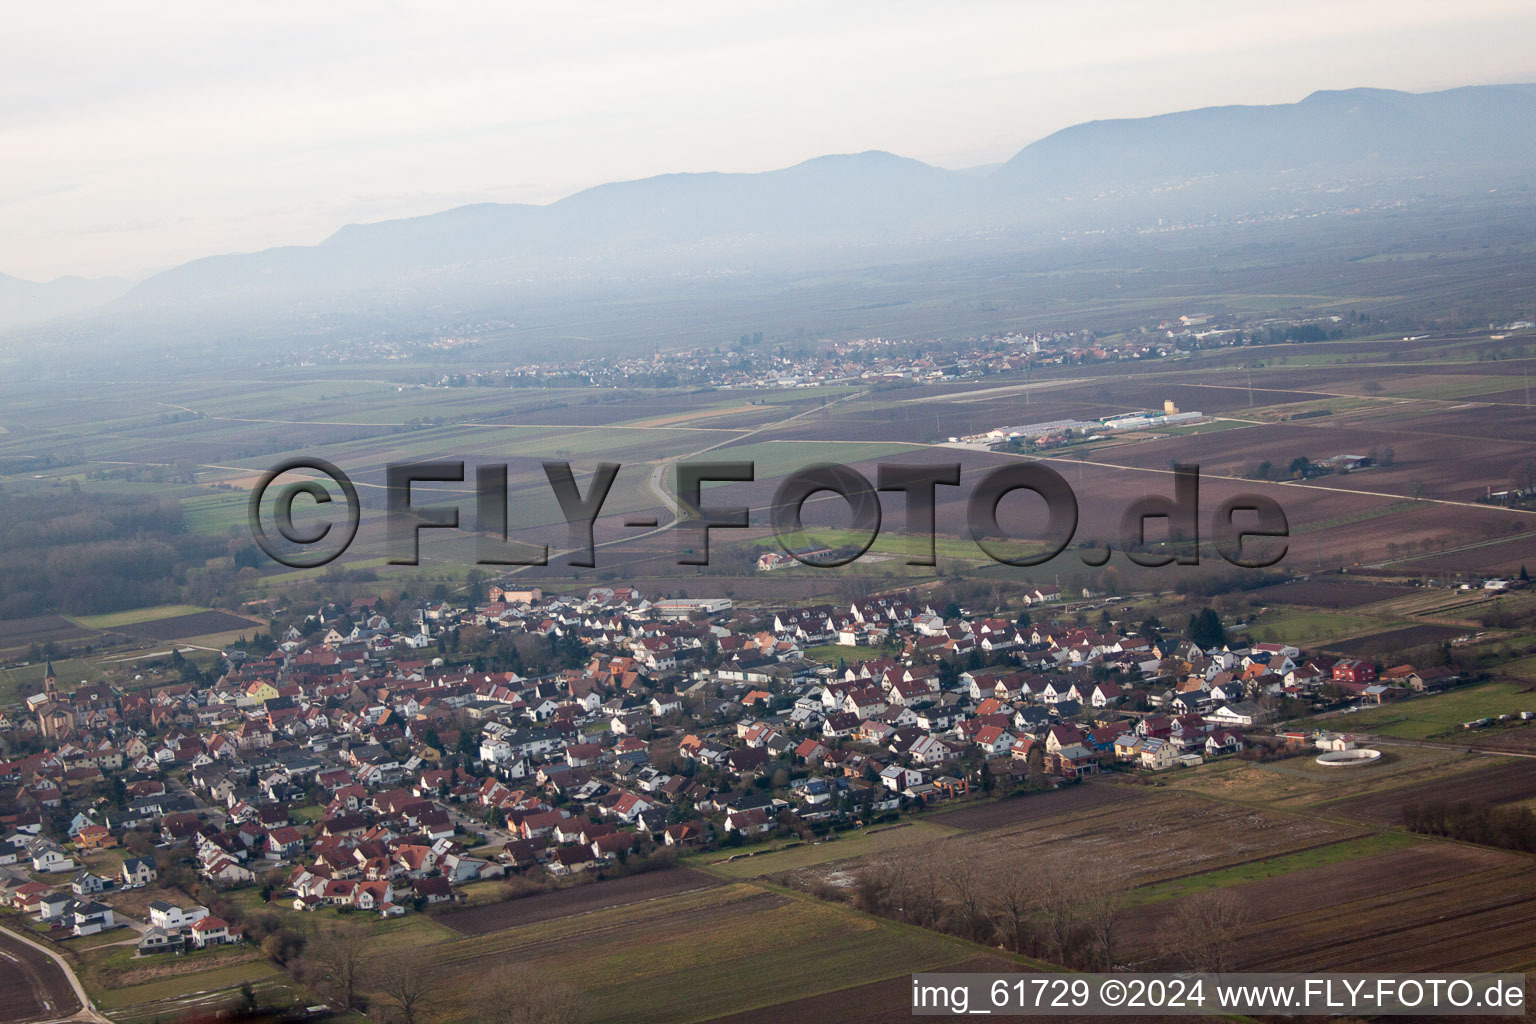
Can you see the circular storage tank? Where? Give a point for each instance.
(1357, 758)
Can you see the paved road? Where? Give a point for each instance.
(36, 986)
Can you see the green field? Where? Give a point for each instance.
(1524, 669)
(134, 616)
(217, 512)
(1284, 410)
(1360, 516)
(890, 541)
(697, 956)
(30, 677)
(219, 975)
(1441, 715)
(1298, 783)
(382, 934)
(832, 653)
(1447, 386)
(1333, 853)
(1307, 627)
(1210, 426)
(779, 458)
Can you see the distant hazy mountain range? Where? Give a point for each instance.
(1363, 145)
(1348, 130)
(23, 302)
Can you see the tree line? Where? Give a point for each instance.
(1065, 908)
(70, 550)
(1509, 827)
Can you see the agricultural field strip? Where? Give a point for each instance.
(879, 1002)
(1384, 899)
(847, 847)
(1429, 770)
(1219, 835)
(375, 451)
(653, 482)
(184, 986)
(698, 946)
(1426, 556)
(1447, 710)
(1374, 494)
(1378, 495)
(1505, 780)
(1313, 629)
(1136, 824)
(911, 445)
(1497, 917)
(1396, 428)
(1351, 518)
(1340, 852)
(584, 899)
(31, 981)
(1362, 845)
(1448, 924)
(1402, 638)
(464, 946)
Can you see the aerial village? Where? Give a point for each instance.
(388, 767)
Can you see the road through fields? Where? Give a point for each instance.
(32, 986)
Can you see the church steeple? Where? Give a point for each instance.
(50, 680)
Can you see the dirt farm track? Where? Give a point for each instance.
(32, 988)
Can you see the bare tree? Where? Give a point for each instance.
(873, 887)
(409, 982)
(896, 879)
(1058, 893)
(913, 885)
(338, 953)
(1269, 702)
(516, 994)
(1014, 897)
(967, 884)
(1100, 904)
(1204, 930)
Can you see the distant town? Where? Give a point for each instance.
(754, 361)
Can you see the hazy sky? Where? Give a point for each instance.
(137, 136)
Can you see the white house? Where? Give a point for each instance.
(172, 918)
(751, 822)
(139, 871)
(86, 917)
(898, 777)
(1242, 713)
(211, 931)
(49, 856)
(1157, 755)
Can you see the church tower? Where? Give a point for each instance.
(55, 719)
